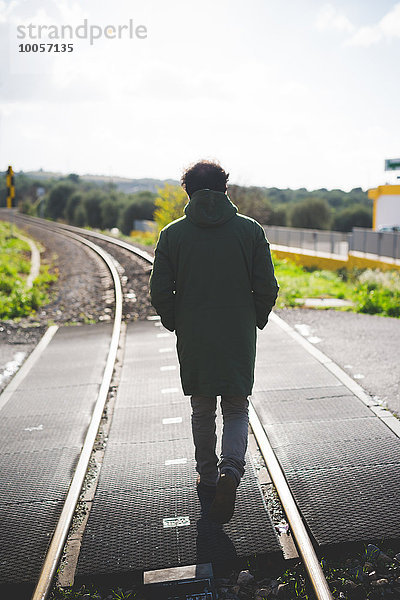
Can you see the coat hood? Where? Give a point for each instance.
(208, 208)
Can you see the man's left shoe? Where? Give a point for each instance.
(223, 506)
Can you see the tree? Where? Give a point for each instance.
(70, 208)
(109, 212)
(353, 216)
(313, 213)
(251, 201)
(170, 202)
(140, 206)
(80, 216)
(58, 198)
(278, 216)
(92, 201)
(73, 177)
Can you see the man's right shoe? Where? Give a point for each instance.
(206, 494)
(203, 488)
(223, 505)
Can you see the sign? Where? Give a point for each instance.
(10, 187)
(392, 164)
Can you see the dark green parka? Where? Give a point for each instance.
(212, 282)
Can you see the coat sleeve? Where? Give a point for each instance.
(162, 283)
(264, 285)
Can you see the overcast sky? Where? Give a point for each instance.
(284, 93)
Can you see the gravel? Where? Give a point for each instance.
(135, 280)
(83, 293)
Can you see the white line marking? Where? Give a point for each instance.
(168, 368)
(165, 349)
(38, 428)
(163, 335)
(176, 461)
(313, 339)
(170, 420)
(153, 318)
(176, 522)
(169, 390)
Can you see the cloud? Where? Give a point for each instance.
(387, 28)
(330, 18)
(6, 9)
(365, 36)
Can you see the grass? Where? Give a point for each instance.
(371, 291)
(16, 300)
(297, 282)
(92, 592)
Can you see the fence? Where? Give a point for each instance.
(381, 243)
(332, 242)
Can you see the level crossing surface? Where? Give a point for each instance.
(146, 514)
(43, 423)
(340, 460)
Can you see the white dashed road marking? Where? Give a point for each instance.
(170, 420)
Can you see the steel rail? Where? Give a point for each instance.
(57, 543)
(299, 531)
(303, 541)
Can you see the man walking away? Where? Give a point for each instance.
(213, 283)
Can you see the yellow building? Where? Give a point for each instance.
(386, 211)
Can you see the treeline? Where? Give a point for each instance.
(103, 206)
(318, 209)
(82, 203)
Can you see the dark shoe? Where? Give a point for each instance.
(204, 487)
(223, 506)
(206, 494)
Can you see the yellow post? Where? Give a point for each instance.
(10, 187)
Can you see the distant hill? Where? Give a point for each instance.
(129, 186)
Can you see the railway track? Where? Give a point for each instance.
(303, 542)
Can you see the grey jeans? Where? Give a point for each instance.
(234, 436)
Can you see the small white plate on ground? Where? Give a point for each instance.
(176, 522)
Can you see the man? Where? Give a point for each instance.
(212, 283)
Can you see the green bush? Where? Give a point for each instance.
(378, 292)
(72, 203)
(109, 212)
(92, 202)
(313, 213)
(58, 198)
(353, 216)
(138, 206)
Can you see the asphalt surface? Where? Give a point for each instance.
(367, 347)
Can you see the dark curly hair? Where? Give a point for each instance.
(204, 175)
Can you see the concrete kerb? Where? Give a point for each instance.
(35, 259)
(382, 413)
(333, 262)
